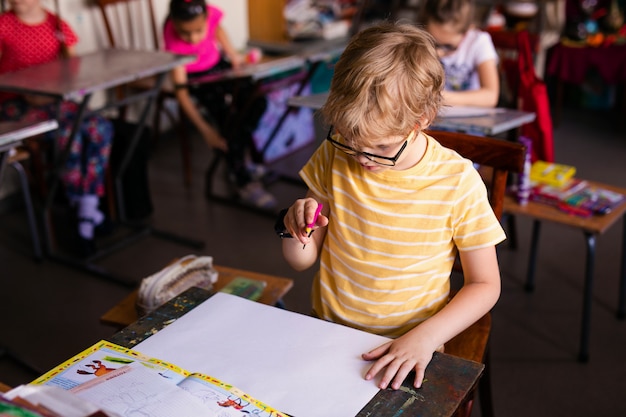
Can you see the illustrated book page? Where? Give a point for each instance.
(116, 378)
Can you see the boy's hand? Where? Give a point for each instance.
(301, 213)
(303, 250)
(397, 358)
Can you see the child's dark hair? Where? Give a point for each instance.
(459, 13)
(185, 10)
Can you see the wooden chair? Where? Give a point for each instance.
(131, 24)
(497, 158)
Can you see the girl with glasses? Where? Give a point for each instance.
(468, 55)
(396, 208)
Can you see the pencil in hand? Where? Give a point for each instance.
(309, 227)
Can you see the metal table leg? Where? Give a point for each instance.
(621, 307)
(583, 355)
(532, 261)
(512, 228)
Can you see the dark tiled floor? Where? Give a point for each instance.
(50, 312)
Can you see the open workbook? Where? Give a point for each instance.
(126, 382)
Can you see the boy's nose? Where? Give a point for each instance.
(362, 159)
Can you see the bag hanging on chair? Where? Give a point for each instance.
(533, 97)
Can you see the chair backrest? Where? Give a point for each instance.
(496, 157)
(130, 24)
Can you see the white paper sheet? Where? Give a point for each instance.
(300, 365)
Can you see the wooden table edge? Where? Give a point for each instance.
(124, 312)
(597, 224)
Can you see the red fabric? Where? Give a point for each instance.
(533, 96)
(506, 43)
(23, 45)
(571, 64)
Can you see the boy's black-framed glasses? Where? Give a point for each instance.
(380, 160)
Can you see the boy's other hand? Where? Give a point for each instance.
(395, 359)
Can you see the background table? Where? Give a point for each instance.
(12, 133)
(124, 313)
(78, 78)
(493, 123)
(591, 228)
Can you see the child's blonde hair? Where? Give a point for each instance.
(458, 13)
(387, 80)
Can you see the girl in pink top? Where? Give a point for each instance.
(193, 28)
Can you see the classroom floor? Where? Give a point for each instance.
(50, 311)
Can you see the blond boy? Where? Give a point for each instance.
(397, 206)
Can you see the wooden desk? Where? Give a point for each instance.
(255, 72)
(306, 49)
(78, 78)
(450, 380)
(268, 67)
(591, 228)
(124, 313)
(497, 121)
(12, 133)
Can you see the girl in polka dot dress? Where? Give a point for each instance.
(31, 35)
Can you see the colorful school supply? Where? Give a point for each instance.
(551, 173)
(578, 197)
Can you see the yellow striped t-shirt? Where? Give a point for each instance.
(393, 236)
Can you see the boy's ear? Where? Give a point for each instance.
(423, 123)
